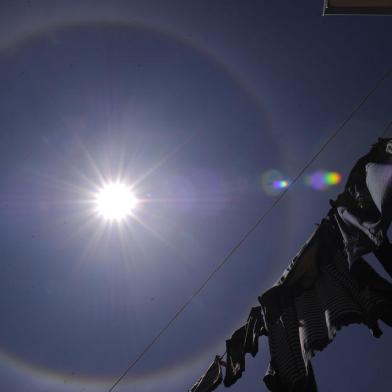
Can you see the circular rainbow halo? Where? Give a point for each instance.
(115, 201)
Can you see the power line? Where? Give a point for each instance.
(253, 228)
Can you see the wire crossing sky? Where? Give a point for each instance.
(361, 103)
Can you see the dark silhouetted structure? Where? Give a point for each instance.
(327, 285)
(358, 7)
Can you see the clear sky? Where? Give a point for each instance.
(192, 102)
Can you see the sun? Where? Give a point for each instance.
(115, 201)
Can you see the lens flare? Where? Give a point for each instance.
(273, 182)
(333, 178)
(280, 184)
(321, 180)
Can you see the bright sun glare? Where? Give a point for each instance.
(115, 201)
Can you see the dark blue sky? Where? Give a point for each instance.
(194, 101)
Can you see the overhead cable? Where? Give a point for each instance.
(253, 227)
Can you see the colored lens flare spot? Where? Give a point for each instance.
(272, 182)
(280, 184)
(321, 180)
